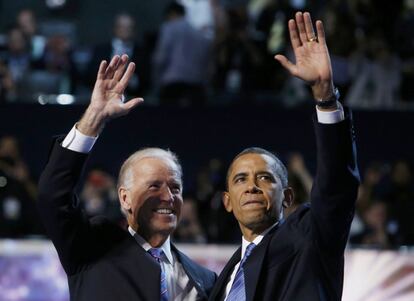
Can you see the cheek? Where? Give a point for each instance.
(275, 198)
(138, 204)
(178, 204)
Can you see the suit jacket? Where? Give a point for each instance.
(302, 259)
(102, 260)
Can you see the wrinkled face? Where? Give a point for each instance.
(255, 192)
(154, 200)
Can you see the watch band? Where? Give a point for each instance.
(330, 102)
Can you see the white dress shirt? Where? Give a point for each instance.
(245, 243)
(178, 284)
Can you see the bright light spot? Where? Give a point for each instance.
(55, 3)
(42, 99)
(65, 99)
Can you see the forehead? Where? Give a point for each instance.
(252, 162)
(156, 168)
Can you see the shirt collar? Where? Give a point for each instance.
(257, 240)
(165, 247)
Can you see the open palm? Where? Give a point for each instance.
(111, 82)
(312, 62)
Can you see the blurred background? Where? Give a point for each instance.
(211, 88)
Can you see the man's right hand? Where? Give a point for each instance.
(106, 101)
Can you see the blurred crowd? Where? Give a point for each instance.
(218, 52)
(383, 219)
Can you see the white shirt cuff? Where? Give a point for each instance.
(78, 142)
(331, 117)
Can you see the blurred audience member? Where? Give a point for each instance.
(17, 60)
(189, 229)
(220, 227)
(6, 82)
(272, 37)
(236, 59)
(57, 61)
(27, 23)
(377, 231)
(124, 41)
(300, 180)
(398, 191)
(376, 76)
(100, 197)
(404, 34)
(343, 43)
(17, 193)
(181, 60)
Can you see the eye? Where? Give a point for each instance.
(239, 179)
(176, 189)
(154, 186)
(264, 178)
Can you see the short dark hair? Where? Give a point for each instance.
(279, 168)
(175, 8)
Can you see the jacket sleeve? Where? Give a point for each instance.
(66, 225)
(335, 188)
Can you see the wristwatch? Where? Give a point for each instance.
(330, 102)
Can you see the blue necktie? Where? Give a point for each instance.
(238, 289)
(157, 253)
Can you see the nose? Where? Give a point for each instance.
(166, 194)
(252, 187)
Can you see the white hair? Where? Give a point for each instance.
(125, 177)
(126, 173)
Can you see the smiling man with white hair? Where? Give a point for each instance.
(102, 260)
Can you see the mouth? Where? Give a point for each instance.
(252, 203)
(164, 211)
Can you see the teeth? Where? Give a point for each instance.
(164, 211)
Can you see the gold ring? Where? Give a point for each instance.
(313, 39)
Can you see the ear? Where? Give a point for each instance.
(124, 198)
(288, 197)
(226, 201)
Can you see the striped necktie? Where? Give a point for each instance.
(157, 253)
(238, 289)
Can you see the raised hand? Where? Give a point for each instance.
(313, 64)
(107, 96)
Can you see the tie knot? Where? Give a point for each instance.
(156, 253)
(248, 251)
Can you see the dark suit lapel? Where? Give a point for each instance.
(191, 272)
(225, 274)
(130, 254)
(253, 266)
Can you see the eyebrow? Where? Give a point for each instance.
(240, 174)
(261, 172)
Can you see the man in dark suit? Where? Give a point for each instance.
(124, 41)
(102, 260)
(300, 258)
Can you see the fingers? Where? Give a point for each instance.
(288, 65)
(132, 103)
(110, 70)
(321, 32)
(294, 35)
(300, 24)
(123, 83)
(310, 33)
(301, 30)
(121, 67)
(102, 68)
